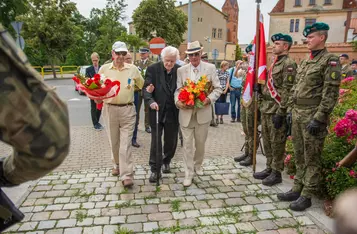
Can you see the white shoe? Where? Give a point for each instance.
(199, 172)
(187, 182)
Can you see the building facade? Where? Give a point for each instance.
(231, 9)
(291, 17)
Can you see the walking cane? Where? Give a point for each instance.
(157, 150)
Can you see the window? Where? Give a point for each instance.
(291, 25)
(312, 2)
(297, 2)
(328, 2)
(309, 22)
(220, 33)
(214, 31)
(297, 24)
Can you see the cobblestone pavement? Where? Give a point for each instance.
(226, 199)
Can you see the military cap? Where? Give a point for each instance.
(354, 62)
(315, 28)
(344, 56)
(144, 50)
(281, 37)
(249, 48)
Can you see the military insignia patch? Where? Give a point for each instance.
(290, 79)
(333, 63)
(333, 75)
(290, 69)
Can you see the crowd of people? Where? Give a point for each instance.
(297, 98)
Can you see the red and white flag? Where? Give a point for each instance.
(262, 70)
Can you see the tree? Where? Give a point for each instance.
(238, 53)
(9, 9)
(132, 41)
(160, 18)
(49, 27)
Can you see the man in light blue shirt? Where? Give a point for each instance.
(235, 87)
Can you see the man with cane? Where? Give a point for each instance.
(159, 88)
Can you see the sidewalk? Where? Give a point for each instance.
(81, 196)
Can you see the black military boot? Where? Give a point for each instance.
(273, 178)
(288, 196)
(300, 204)
(247, 161)
(240, 158)
(262, 174)
(153, 177)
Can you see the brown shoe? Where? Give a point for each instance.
(115, 172)
(127, 183)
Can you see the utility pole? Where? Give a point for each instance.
(189, 21)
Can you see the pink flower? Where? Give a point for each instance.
(352, 173)
(352, 115)
(290, 138)
(343, 127)
(348, 79)
(292, 177)
(333, 169)
(287, 159)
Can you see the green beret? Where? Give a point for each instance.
(249, 48)
(281, 37)
(315, 28)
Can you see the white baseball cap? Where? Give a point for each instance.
(119, 46)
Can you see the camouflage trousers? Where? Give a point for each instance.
(247, 119)
(274, 143)
(307, 150)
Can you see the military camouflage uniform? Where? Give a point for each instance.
(315, 94)
(32, 118)
(283, 73)
(143, 66)
(346, 71)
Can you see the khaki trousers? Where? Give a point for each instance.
(120, 123)
(198, 133)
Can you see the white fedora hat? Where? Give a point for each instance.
(193, 47)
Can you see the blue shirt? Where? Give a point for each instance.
(235, 82)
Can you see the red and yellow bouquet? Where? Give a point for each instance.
(194, 94)
(97, 89)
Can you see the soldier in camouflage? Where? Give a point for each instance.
(247, 119)
(32, 119)
(273, 107)
(315, 93)
(346, 70)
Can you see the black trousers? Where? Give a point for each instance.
(95, 113)
(170, 130)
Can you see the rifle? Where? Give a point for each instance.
(349, 159)
(9, 214)
(289, 122)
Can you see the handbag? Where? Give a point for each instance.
(221, 108)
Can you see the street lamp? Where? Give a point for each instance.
(209, 40)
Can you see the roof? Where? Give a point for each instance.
(207, 3)
(349, 4)
(233, 2)
(279, 7)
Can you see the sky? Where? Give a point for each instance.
(247, 9)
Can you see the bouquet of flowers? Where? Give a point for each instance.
(193, 94)
(96, 89)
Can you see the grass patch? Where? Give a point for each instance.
(80, 216)
(175, 205)
(122, 230)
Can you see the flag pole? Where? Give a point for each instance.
(257, 44)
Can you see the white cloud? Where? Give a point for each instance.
(247, 12)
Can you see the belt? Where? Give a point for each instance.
(303, 101)
(127, 104)
(236, 88)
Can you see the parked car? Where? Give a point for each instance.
(81, 71)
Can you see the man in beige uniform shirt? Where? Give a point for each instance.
(119, 112)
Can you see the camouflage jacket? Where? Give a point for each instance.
(283, 73)
(141, 65)
(316, 88)
(346, 71)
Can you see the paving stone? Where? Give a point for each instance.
(96, 198)
(281, 213)
(235, 202)
(39, 208)
(265, 215)
(44, 201)
(43, 188)
(228, 229)
(71, 206)
(311, 230)
(304, 220)
(153, 201)
(159, 216)
(248, 217)
(62, 200)
(204, 197)
(110, 229)
(163, 208)
(66, 223)
(212, 211)
(112, 197)
(36, 232)
(46, 225)
(264, 207)
(101, 204)
(288, 231)
(186, 206)
(148, 227)
(59, 214)
(247, 208)
(188, 222)
(88, 205)
(101, 191)
(269, 232)
(54, 193)
(195, 192)
(94, 212)
(220, 195)
(192, 213)
(285, 222)
(54, 207)
(117, 219)
(212, 190)
(216, 203)
(167, 223)
(201, 205)
(245, 227)
(137, 218)
(178, 215)
(130, 211)
(101, 220)
(264, 225)
(252, 200)
(40, 216)
(76, 230)
(85, 222)
(205, 230)
(36, 195)
(209, 221)
(93, 230)
(110, 212)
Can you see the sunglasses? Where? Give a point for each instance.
(194, 55)
(123, 53)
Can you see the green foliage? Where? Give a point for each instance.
(9, 10)
(239, 54)
(175, 205)
(132, 41)
(160, 18)
(122, 230)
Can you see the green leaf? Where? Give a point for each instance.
(93, 86)
(198, 103)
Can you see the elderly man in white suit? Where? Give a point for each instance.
(194, 122)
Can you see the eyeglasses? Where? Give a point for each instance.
(123, 53)
(194, 55)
